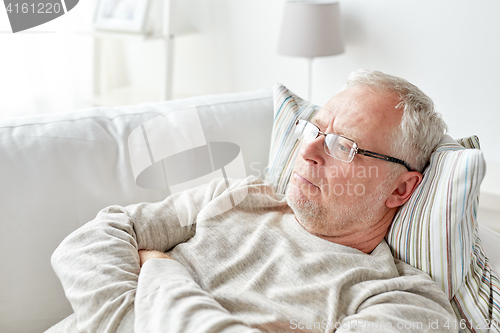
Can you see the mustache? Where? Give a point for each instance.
(318, 174)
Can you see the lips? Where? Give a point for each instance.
(301, 179)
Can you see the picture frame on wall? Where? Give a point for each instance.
(121, 15)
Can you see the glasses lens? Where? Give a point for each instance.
(305, 130)
(339, 147)
(310, 132)
(299, 128)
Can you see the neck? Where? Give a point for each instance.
(366, 239)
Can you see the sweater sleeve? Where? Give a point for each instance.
(98, 264)
(167, 297)
(414, 303)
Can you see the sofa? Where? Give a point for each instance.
(58, 170)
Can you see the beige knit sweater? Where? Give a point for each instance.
(252, 268)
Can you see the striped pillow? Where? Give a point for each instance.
(445, 242)
(477, 301)
(436, 226)
(288, 107)
(448, 230)
(436, 230)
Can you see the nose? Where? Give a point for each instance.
(313, 151)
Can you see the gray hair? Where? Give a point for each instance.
(421, 126)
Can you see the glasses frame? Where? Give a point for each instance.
(357, 150)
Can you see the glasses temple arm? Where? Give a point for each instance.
(383, 157)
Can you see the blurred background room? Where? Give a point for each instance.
(183, 48)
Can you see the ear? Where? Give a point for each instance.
(407, 183)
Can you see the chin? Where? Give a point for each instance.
(294, 196)
(310, 214)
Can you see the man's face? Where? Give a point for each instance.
(335, 198)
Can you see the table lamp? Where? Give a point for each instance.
(311, 29)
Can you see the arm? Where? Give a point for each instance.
(167, 297)
(415, 303)
(98, 264)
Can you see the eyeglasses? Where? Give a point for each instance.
(339, 147)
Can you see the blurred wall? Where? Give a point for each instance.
(449, 48)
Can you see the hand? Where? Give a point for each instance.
(145, 255)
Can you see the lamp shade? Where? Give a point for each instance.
(311, 29)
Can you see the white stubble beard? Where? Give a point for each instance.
(314, 217)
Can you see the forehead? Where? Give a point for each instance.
(360, 114)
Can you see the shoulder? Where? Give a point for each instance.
(407, 276)
(412, 284)
(254, 193)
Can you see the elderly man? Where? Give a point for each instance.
(312, 261)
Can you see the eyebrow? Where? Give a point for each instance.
(315, 122)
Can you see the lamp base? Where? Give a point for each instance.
(309, 78)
